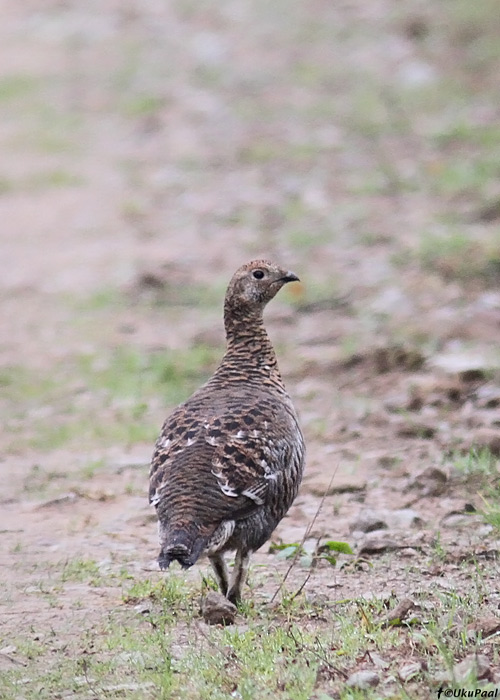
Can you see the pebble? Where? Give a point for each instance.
(474, 665)
(404, 518)
(377, 545)
(409, 670)
(368, 521)
(430, 482)
(416, 429)
(217, 610)
(484, 626)
(363, 679)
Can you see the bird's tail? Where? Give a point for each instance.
(182, 544)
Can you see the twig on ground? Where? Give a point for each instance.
(84, 666)
(304, 538)
(323, 657)
(222, 652)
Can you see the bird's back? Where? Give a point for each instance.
(225, 454)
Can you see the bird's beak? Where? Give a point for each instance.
(290, 277)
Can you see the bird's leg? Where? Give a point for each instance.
(220, 570)
(239, 576)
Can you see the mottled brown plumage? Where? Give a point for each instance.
(228, 463)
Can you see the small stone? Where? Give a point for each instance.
(467, 366)
(459, 519)
(64, 499)
(485, 626)
(399, 613)
(442, 677)
(217, 609)
(368, 521)
(474, 666)
(434, 392)
(473, 375)
(430, 482)
(488, 396)
(134, 658)
(378, 661)
(142, 608)
(388, 461)
(363, 679)
(345, 480)
(488, 212)
(416, 429)
(416, 28)
(410, 670)
(404, 518)
(9, 649)
(377, 545)
(318, 599)
(397, 357)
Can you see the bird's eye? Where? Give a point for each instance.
(258, 274)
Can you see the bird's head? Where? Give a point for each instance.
(253, 285)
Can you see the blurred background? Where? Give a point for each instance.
(149, 148)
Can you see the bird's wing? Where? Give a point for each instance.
(248, 459)
(180, 431)
(241, 454)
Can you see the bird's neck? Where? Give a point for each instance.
(249, 347)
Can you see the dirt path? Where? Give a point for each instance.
(149, 149)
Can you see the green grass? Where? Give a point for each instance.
(476, 462)
(52, 178)
(142, 105)
(458, 177)
(104, 299)
(116, 401)
(17, 87)
(49, 130)
(305, 240)
(481, 469)
(154, 646)
(169, 591)
(491, 507)
(40, 480)
(19, 384)
(456, 255)
(42, 180)
(490, 495)
(263, 660)
(115, 427)
(130, 373)
(81, 570)
(150, 296)
(6, 184)
(92, 468)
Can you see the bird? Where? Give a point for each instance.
(228, 462)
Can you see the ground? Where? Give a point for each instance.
(148, 149)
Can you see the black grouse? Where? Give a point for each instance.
(229, 460)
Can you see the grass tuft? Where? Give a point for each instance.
(455, 255)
